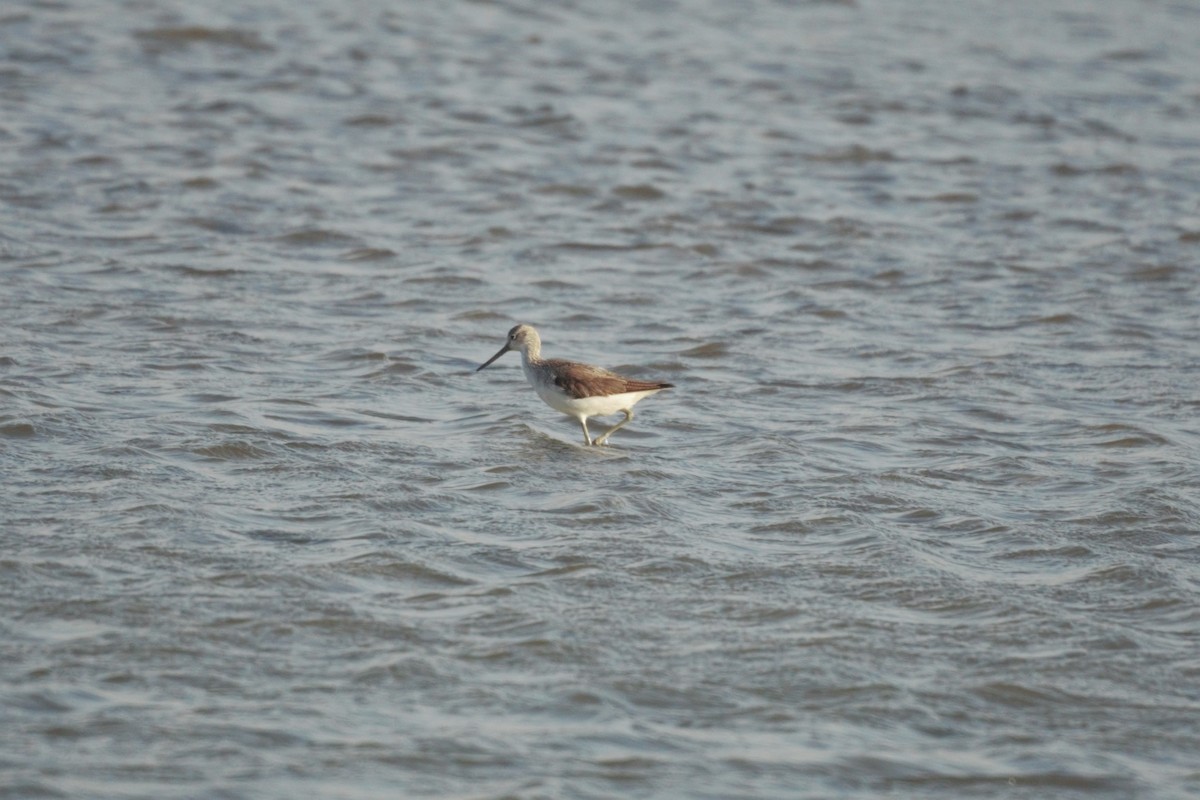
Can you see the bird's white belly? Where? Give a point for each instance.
(596, 406)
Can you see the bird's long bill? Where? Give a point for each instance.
(503, 350)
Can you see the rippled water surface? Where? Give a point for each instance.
(920, 518)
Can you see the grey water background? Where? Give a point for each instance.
(919, 520)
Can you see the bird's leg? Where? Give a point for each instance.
(628, 416)
(587, 437)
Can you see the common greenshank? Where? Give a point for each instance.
(577, 390)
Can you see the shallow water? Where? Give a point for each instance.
(919, 520)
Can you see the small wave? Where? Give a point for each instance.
(854, 154)
(565, 189)
(1065, 170)
(17, 430)
(158, 40)
(368, 254)
(316, 237)
(642, 191)
(1127, 436)
(707, 350)
(232, 451)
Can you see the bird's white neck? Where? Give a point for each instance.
(531, 350)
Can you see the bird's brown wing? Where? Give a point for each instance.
(584, 380)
